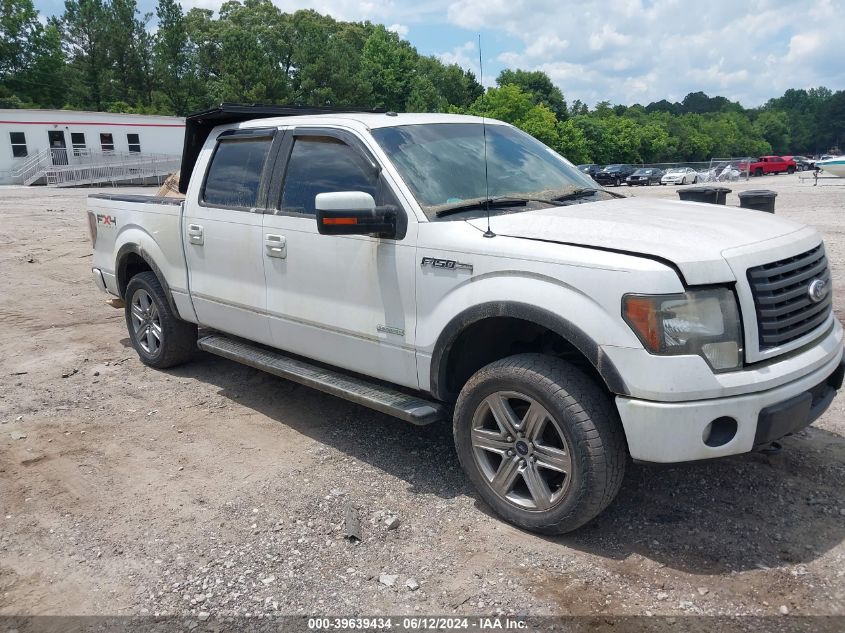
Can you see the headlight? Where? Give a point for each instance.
(702, 322)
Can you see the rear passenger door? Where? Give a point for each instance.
(223, 236)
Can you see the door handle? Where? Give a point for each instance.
(195, 234)
(276, 246)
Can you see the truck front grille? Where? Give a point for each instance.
(781, 290)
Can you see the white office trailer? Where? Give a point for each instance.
(68, 148)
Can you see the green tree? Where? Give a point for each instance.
(537, 84)
(571, 143)
(31, 59)
(19, 29)
(773, 126)
(126, 35)
(388, 64)
(86, 42)
(172, 55)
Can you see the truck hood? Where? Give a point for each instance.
(692, 236)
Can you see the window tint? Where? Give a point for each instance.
(18, 140)
(235, 173)
(134, 143)
(107, 142)
(320, 165)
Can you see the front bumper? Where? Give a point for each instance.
(668, 432)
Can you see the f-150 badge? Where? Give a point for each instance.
(448, 264)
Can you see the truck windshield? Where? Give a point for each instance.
(443, 164)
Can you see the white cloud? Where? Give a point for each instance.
(629, 51)
(400, 29)
(465, 56)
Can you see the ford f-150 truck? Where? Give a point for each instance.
(380, 258)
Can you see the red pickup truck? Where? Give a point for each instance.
(771, 165)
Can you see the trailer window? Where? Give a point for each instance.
(134, 143)
(234, 175)
(106, 142)
(18, 140)
(77, 141)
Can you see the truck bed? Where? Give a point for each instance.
(137, 197)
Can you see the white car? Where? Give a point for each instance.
(562, 329)
(679, 176)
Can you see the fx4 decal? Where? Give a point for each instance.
(107, 220)
(448, 264)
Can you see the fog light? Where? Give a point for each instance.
(719, 432)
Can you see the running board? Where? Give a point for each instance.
(375, 396)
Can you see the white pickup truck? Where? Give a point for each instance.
(433, 266)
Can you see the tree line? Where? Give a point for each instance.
(104, 55)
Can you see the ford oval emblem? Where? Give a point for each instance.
(817, 290)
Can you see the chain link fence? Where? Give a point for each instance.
(714, 170)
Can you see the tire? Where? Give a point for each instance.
(577, 429)
(160, 337)
(758, 172)
(616, 183)
(790, 170)
(695, 180)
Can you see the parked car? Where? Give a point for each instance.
(645, 176)
(614, 174)
(344, 253)
(802, 163)
(591, 169)
(770, 165)
(679, 176)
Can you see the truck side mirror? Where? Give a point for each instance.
(353, 213)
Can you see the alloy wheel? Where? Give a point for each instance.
(146, 322)
(521, 451)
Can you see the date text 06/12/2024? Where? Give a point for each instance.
(422, 623)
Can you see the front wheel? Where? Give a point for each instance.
(160, 337)
(541, 442)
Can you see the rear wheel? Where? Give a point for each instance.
(758, 172)
(160, 337)
(541, 442)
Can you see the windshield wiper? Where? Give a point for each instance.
(501, 202)
(583, 193)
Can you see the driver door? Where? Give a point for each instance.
(345, 300)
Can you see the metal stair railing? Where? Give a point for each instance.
(33, 168)
(113, 168)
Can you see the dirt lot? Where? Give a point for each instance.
(216, 488)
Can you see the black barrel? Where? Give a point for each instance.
(721, 194)
(758, 200)
(700, 194)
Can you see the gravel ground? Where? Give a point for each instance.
(217, 489)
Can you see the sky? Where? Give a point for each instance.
(622, 51)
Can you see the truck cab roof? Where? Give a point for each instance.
(198, 126)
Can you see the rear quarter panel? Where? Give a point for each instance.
(150, 228)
